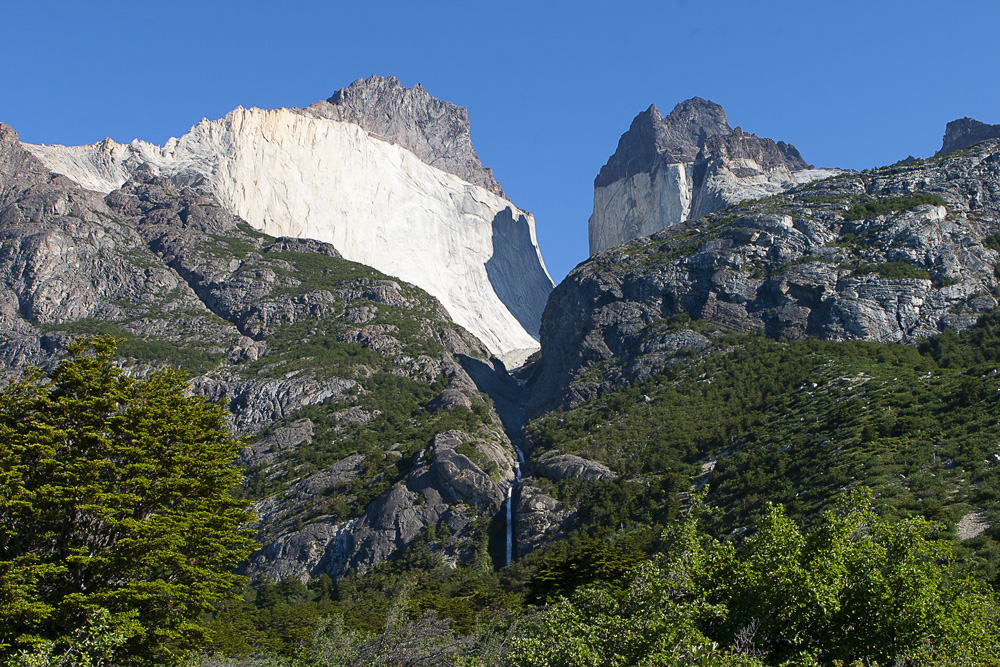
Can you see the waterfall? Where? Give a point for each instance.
(510, 526)
(510, 502)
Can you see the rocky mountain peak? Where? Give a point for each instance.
(18, 167)
(434, 130)
(676, 137)
(690, 162)
(965, 132)
(740, 145)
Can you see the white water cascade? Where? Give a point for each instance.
(510, 502)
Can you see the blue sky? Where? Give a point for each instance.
(550, 86)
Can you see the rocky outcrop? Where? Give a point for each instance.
(684, 165)
(853, 257)
(964, 132)
(446, 490)
(540, 518)
(384, 174)
(435, 131)
(653, 139)
(556, 467)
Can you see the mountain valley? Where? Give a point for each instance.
(356, 289)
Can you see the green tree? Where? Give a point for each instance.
(114, 495)
(856, 590)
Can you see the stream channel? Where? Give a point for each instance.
(510, 398)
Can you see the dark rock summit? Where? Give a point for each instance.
(676, 137)
(434, 130)
(690, 162)
(966, 132)
(696, 130)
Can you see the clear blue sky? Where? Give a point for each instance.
(550, 86)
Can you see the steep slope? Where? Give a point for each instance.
(365, 428)
(387, 196)
(841, 334)
(891, 255)
(686, 164)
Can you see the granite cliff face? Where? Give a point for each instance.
(385, 174)
(684, 165)
(315, 356)
(897, 254)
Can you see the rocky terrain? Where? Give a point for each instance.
(896, 254)
(965, 132)
(376, 411)
(386, 174)
(364, 426)
(686, 164)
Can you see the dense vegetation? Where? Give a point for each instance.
(775, 434)
(797, 422)
(857, 589)
(115, 512)
(854, 589)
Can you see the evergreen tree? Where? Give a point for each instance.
(114, 495)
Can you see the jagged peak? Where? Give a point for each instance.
(964, 132)
(434, 130)
(651, 112)
(676, 137)
(701, 111)
(681, 136)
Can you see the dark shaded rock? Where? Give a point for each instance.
(434, 130)
(964, 132)
(676, 137)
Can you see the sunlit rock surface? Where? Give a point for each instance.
(670, 168)
(293, 172)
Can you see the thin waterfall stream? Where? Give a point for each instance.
(510, 503)
(510, 399)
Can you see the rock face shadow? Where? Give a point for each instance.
(516, 272)
(509, 398)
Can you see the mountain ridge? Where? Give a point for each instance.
(667, 169)
(293, 172)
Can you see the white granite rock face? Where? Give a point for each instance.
(290, 174)
(667, 169)
(644, 203)
(640, 205)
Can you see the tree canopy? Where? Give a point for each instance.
(114, 499)
(857, 589)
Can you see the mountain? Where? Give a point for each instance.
(833, 334)
(359, 394)
(893, 255)
(965, 132)
(407, 195)
(686, 164)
